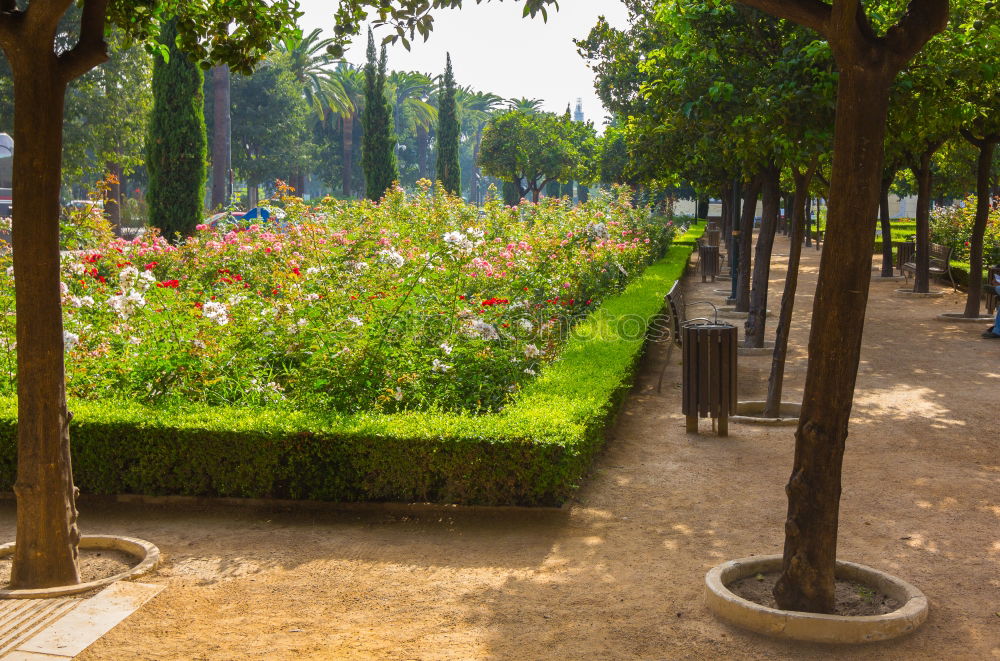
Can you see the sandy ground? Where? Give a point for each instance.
(618, 573)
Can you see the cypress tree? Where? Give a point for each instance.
(176, 142)
(449, 173)
(378, 145)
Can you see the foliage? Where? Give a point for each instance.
(378, 151)
(952, 226)
(269, 122)
(176, 144)
(533, 149)
(449, 172)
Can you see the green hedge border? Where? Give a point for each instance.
(535, 452)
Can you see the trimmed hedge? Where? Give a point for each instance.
(535, 452)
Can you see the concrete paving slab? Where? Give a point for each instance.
(89, 620)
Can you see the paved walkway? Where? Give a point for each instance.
(617, 574)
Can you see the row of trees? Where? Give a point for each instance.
(743, 105)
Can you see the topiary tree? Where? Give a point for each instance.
(176, 143)
(378, 146)
(449, 172)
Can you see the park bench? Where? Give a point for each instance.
(940, 263)
(674, 317)
(989, 289)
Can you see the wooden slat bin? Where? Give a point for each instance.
(708, 261)
(708, 373)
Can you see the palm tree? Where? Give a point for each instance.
(411, 91)
(525, 104)
(311, 65)
(475, 108)
(350, 83)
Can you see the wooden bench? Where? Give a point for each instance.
(940, 264)
(675, 314)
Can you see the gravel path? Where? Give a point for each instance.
(618, 573)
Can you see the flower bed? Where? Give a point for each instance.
(535, 451)
(418, 303)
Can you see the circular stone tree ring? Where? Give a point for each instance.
(147, 558)
(814, 627)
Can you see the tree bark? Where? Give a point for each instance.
(771, 199)
(809, 222)
(422, 152)
(986, 146)
(222, 156)
(113, 196)
(776, 380)
(807, 579)
(746, 243)
(883, 208)
(47, 533)
(922, 172)
(348, 154)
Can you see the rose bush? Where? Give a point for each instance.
(418, 302)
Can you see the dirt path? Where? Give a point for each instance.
(618, 574)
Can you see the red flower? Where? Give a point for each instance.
(91, 259)
(150, 266)
(168, 284)
(296, 271)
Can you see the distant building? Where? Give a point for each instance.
(578, 114)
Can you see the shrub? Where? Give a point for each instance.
(952, 226)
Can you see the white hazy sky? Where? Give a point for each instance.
(493, 49)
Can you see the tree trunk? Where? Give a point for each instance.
(474, 193)
(756, 319)
(809, 222)
(422, 152)
(222, 156)
(253, 195)
(776, 380)
(347, 160)
(883, 212)
(986, 146)
(47, 534)
(807, 579)
(113, 196)
(746, 243)
(921, 278)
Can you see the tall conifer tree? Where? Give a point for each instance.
(176, 142)
(378, 146)
(449, 172)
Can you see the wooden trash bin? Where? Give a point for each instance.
(708, 261)
(708, 370)
(713, 234)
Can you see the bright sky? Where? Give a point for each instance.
(494, 50)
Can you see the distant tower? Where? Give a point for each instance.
(578, 115)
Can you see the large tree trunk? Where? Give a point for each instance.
(921, 279)
(47, 534)
(222, 156)
(807, 579)
(776, 380)
(347, 160)
(883, 212)
(474, 192)
(986, 146)
(113, 196)
(771, 199)
(746, 243)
